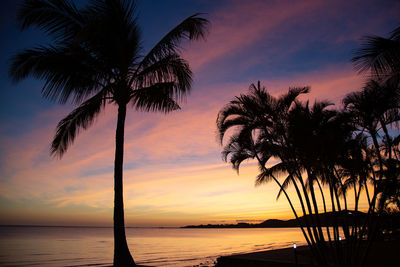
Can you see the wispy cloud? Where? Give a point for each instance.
(173, 170)
(173, 162)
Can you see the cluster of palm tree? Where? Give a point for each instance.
(95, 58)
(337, 156)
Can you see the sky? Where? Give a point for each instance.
(173, 171)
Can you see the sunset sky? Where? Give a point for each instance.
(173, 172)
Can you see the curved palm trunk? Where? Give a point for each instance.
(122, 256)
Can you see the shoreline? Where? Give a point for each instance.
(275, 257)
(382, 253)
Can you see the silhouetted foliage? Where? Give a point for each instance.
(314, 146)
(348, 152)
(94, 58)
(380, 56)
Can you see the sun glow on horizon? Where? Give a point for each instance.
(173, 171)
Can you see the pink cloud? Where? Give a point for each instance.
(173, 162)
(253, 32)
(241, 25)
(150, 138)
(332, 83)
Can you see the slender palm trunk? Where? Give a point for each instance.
(314, 201)
(310, 210)
(367, 192)
(324, 204)
(336, 173)
(122, 256)
(378, 154)
(388, 139)
(288, 199)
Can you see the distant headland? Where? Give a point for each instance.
(271, 223)
(326, 219)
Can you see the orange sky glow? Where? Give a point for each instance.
(174, 174)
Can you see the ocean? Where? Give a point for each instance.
(91, 246)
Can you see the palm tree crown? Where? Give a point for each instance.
(96, 59)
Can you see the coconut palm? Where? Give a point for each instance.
(381, 57)
(325, 146)
(259, 123)
(308, 146)
(374, 110)
(253, 114)
(94, 58)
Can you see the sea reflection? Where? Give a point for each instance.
(76, 246)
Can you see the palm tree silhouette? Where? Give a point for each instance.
(377, 106)
(374, 109)
(94, 58)
(260, 122)
(309, 146)
(315, 146)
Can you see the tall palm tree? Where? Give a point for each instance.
(381, 57)
(375, 108)
(312, 145)
(258, 120)
(94, 58)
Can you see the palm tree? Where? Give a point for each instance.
(94, 58)
(259, 121)
(381, 57)
(325, 146)
(374, 109)
(314, 145)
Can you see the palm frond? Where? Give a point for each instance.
(379, 55)
(58, 18)
(237, 159)
(243, 111)
(264, 177)
(231, 115)
(171, 68)
(192, 28)
(284, 186)
(157, 97)
(80, 118)
(124, 10)
(112, 33)
(319, 107)
(230, 110)
(268, 149)
(286, 100)
(238, 123)
(67, 72)
(267, 174)
(395, 34)
(240, 147)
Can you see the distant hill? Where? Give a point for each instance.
(326, 219)
(272, 223)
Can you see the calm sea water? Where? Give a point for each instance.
(83, 246)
